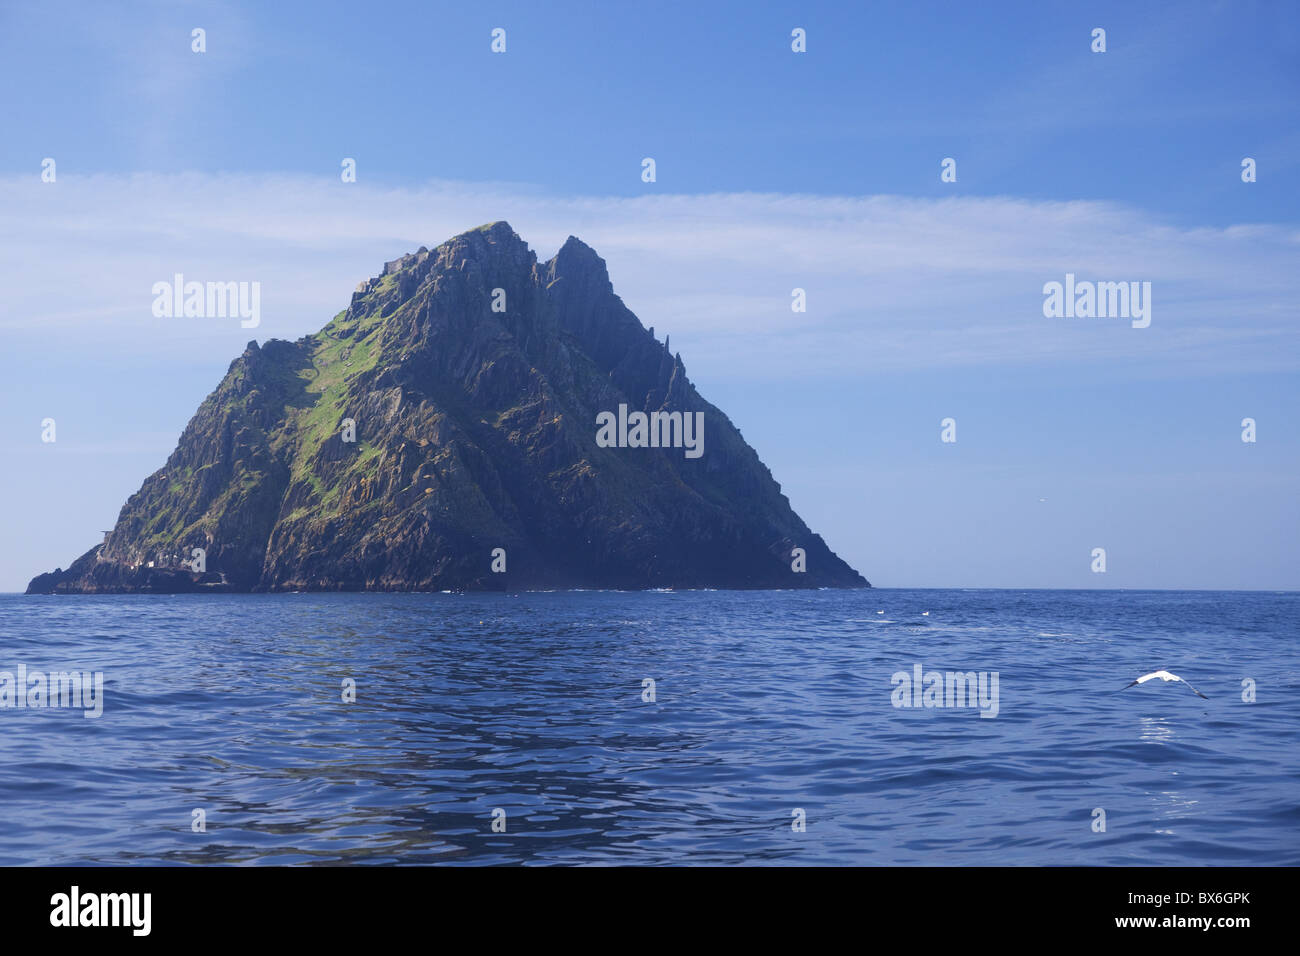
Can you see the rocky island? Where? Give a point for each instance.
(474, 420)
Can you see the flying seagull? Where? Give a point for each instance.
(1166, 677)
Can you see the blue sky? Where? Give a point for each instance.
(775, 170)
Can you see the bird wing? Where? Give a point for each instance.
(1147, 677)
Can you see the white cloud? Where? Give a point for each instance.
(892, 283)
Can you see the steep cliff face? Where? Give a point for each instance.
(449, 411)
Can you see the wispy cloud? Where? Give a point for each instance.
(892, 283)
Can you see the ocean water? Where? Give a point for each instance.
(765, 703)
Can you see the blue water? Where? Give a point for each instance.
(765, 702)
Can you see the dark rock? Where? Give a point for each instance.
(475, 430)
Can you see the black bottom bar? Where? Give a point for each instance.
(334, 905)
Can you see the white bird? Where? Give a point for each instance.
(925, 614)
(880, 612)
(1166, 677)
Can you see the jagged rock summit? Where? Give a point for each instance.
(444, 426)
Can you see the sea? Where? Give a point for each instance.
(653, 728)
